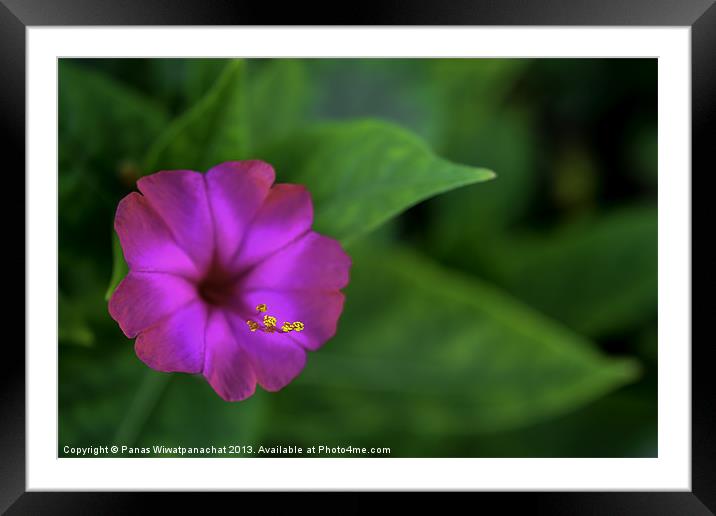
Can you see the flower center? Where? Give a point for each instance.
(217, 287)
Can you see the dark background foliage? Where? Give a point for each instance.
(511, 318)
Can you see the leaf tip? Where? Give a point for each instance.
(489, 175)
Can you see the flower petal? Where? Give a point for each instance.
(237, 189)
(313, 262)
(176, 343)
(227, 367)
(318, 311)
(146, 240)
(286, 214)
(276, 359)
(179, 197)
(143, 298)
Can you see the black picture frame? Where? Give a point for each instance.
(17, 15)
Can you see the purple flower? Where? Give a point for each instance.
(204, 252)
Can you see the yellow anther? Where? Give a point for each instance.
(269, 325)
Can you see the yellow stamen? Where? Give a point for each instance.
(269, 325)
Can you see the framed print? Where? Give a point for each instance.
(406, 255)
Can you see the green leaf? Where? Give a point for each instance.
(424, 352)
(360, 173)
(420, 353)
(214, 130)
(459, 106)
(119, 266)
(363, 173)
(599, 277)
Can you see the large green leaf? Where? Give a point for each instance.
(599, 277)
(214, 130)
(363, 173)
(421, 351)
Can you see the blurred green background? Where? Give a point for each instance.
(515, 317)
